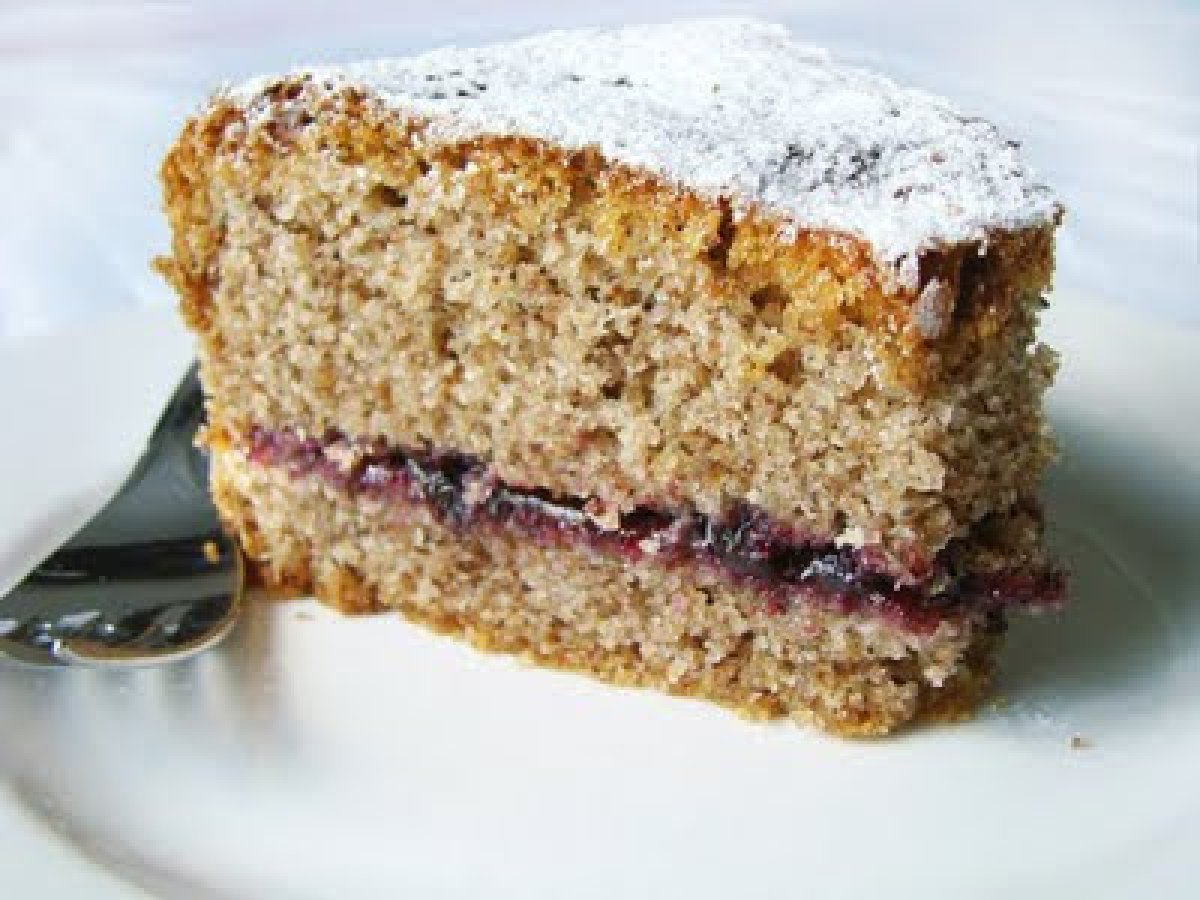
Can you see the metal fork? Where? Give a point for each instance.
(152, 578)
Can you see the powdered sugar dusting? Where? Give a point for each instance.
(731, 108)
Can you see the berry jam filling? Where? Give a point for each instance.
(744, 544)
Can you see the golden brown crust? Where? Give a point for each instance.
(992, 282)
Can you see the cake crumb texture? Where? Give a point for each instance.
(697, 268)
(588, 332)
(681, 630)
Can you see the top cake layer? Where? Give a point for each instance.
(729, 108)
(434, 253)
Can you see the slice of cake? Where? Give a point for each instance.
(678, 355)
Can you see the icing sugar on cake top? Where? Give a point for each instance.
(730, 108)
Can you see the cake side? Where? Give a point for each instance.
(681, 630)
(591, 331)
(768, 431)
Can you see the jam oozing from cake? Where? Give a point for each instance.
(744, 544)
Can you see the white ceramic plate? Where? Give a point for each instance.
(314, 756)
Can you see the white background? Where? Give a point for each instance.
(1103, 95)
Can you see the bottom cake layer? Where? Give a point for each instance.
(683, 629)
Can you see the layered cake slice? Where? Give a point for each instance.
(678, 355)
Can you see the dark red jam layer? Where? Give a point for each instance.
(743, 544)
